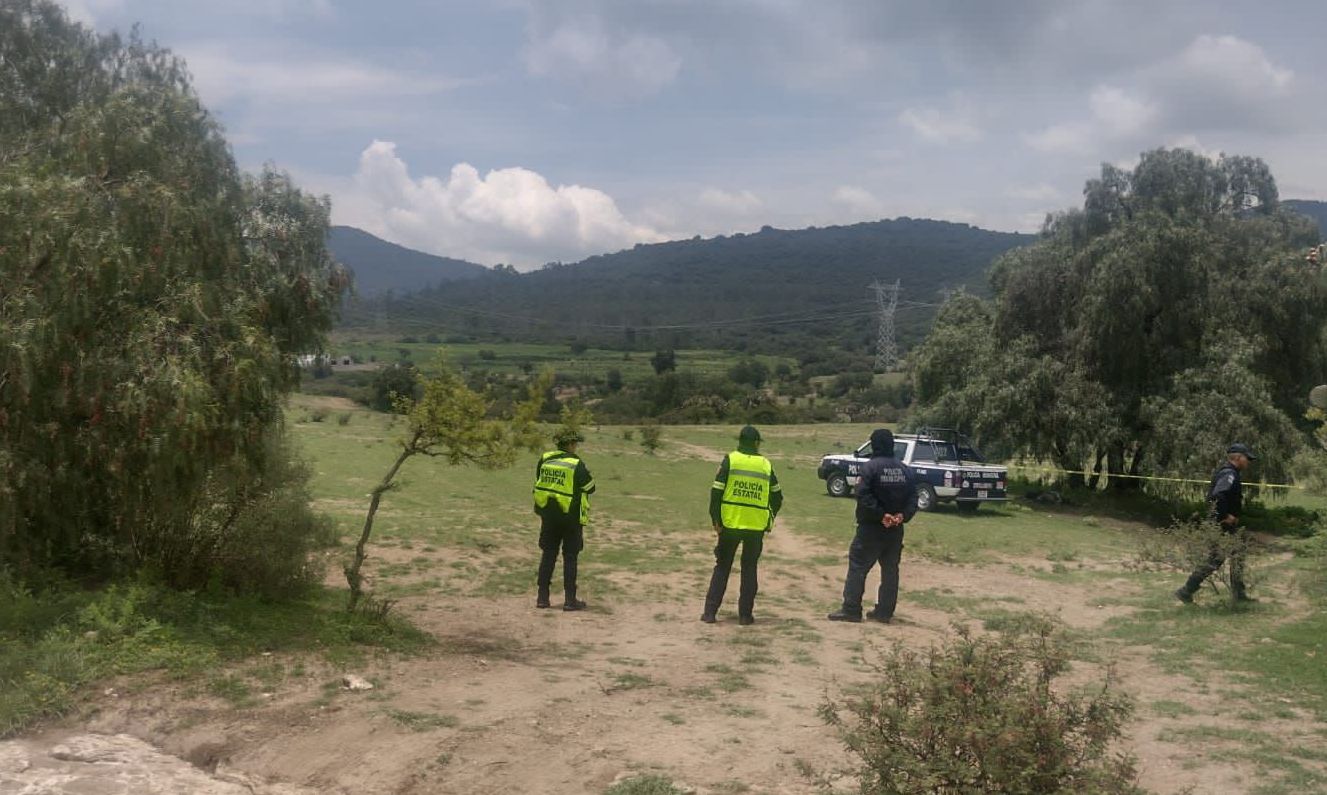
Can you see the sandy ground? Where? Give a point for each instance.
(519, 700)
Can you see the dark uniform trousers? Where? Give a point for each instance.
(1214, 561)
(873, 544)
(752, 541)
(559, 532)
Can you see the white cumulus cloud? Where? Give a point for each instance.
(857, 202)
(1232, 62)
(742, 202)
(509, 215)
(1120, 112)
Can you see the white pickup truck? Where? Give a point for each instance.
(947, 466)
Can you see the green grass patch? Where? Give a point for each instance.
(422, 721)
(1172, 709)
(644, 785)
(630, 681)
(56, 642)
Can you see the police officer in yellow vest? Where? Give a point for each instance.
(743, 503)
(562, 490)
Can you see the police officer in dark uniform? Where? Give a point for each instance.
(562, 490)
(886, 500)
(1225, 500)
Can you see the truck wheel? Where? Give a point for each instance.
(968, 506)
(837, 485)
(925, 497)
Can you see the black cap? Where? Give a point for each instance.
(749, 434)
(1242, 449)
(567, 435)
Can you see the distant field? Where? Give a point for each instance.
(515, 357)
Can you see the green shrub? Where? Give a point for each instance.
(983, 714)
(644, 785)
(253, 534)
(651, 438)
(1187, 544)
(343, 418)
(317, 415)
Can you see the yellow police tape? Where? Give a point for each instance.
(1143, 477)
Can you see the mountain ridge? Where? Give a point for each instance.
(380, 265)
(753, 290)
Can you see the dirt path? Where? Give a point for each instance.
(516, 699)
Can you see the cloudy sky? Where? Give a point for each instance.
(523, 131)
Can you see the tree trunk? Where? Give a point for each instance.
(1064, 461)
(1115, 465)
(353, 577)
(1136, 468)
(1095, 480)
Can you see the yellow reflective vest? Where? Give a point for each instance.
(556, 483)
(746, 495)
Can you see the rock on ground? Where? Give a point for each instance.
(100, 764)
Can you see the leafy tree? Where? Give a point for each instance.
(752, 372)
(664, 361)
(152, 299)
(1175, 301)
(392, 381)
(613, 380)
(457, 424)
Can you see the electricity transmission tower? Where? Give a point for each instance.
(886, 347)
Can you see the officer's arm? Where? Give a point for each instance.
(716, 493)
(1221, 493)
(910, 500)
(584, 481)
(866, 496)
(775, 495)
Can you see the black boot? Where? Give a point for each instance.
(542, 599)
(571, 603)
(844, 615)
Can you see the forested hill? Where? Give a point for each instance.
(1314, 209)
(760, 291)
(380, 266)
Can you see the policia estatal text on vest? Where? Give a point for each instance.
(562, 490)
(744, 500)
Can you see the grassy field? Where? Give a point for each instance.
(1264, 663)
(515, 357)
(487, 694)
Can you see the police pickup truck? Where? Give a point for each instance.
(947, 467)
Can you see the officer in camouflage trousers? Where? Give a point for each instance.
(562, 490)
(886, 500)
(744, 500)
